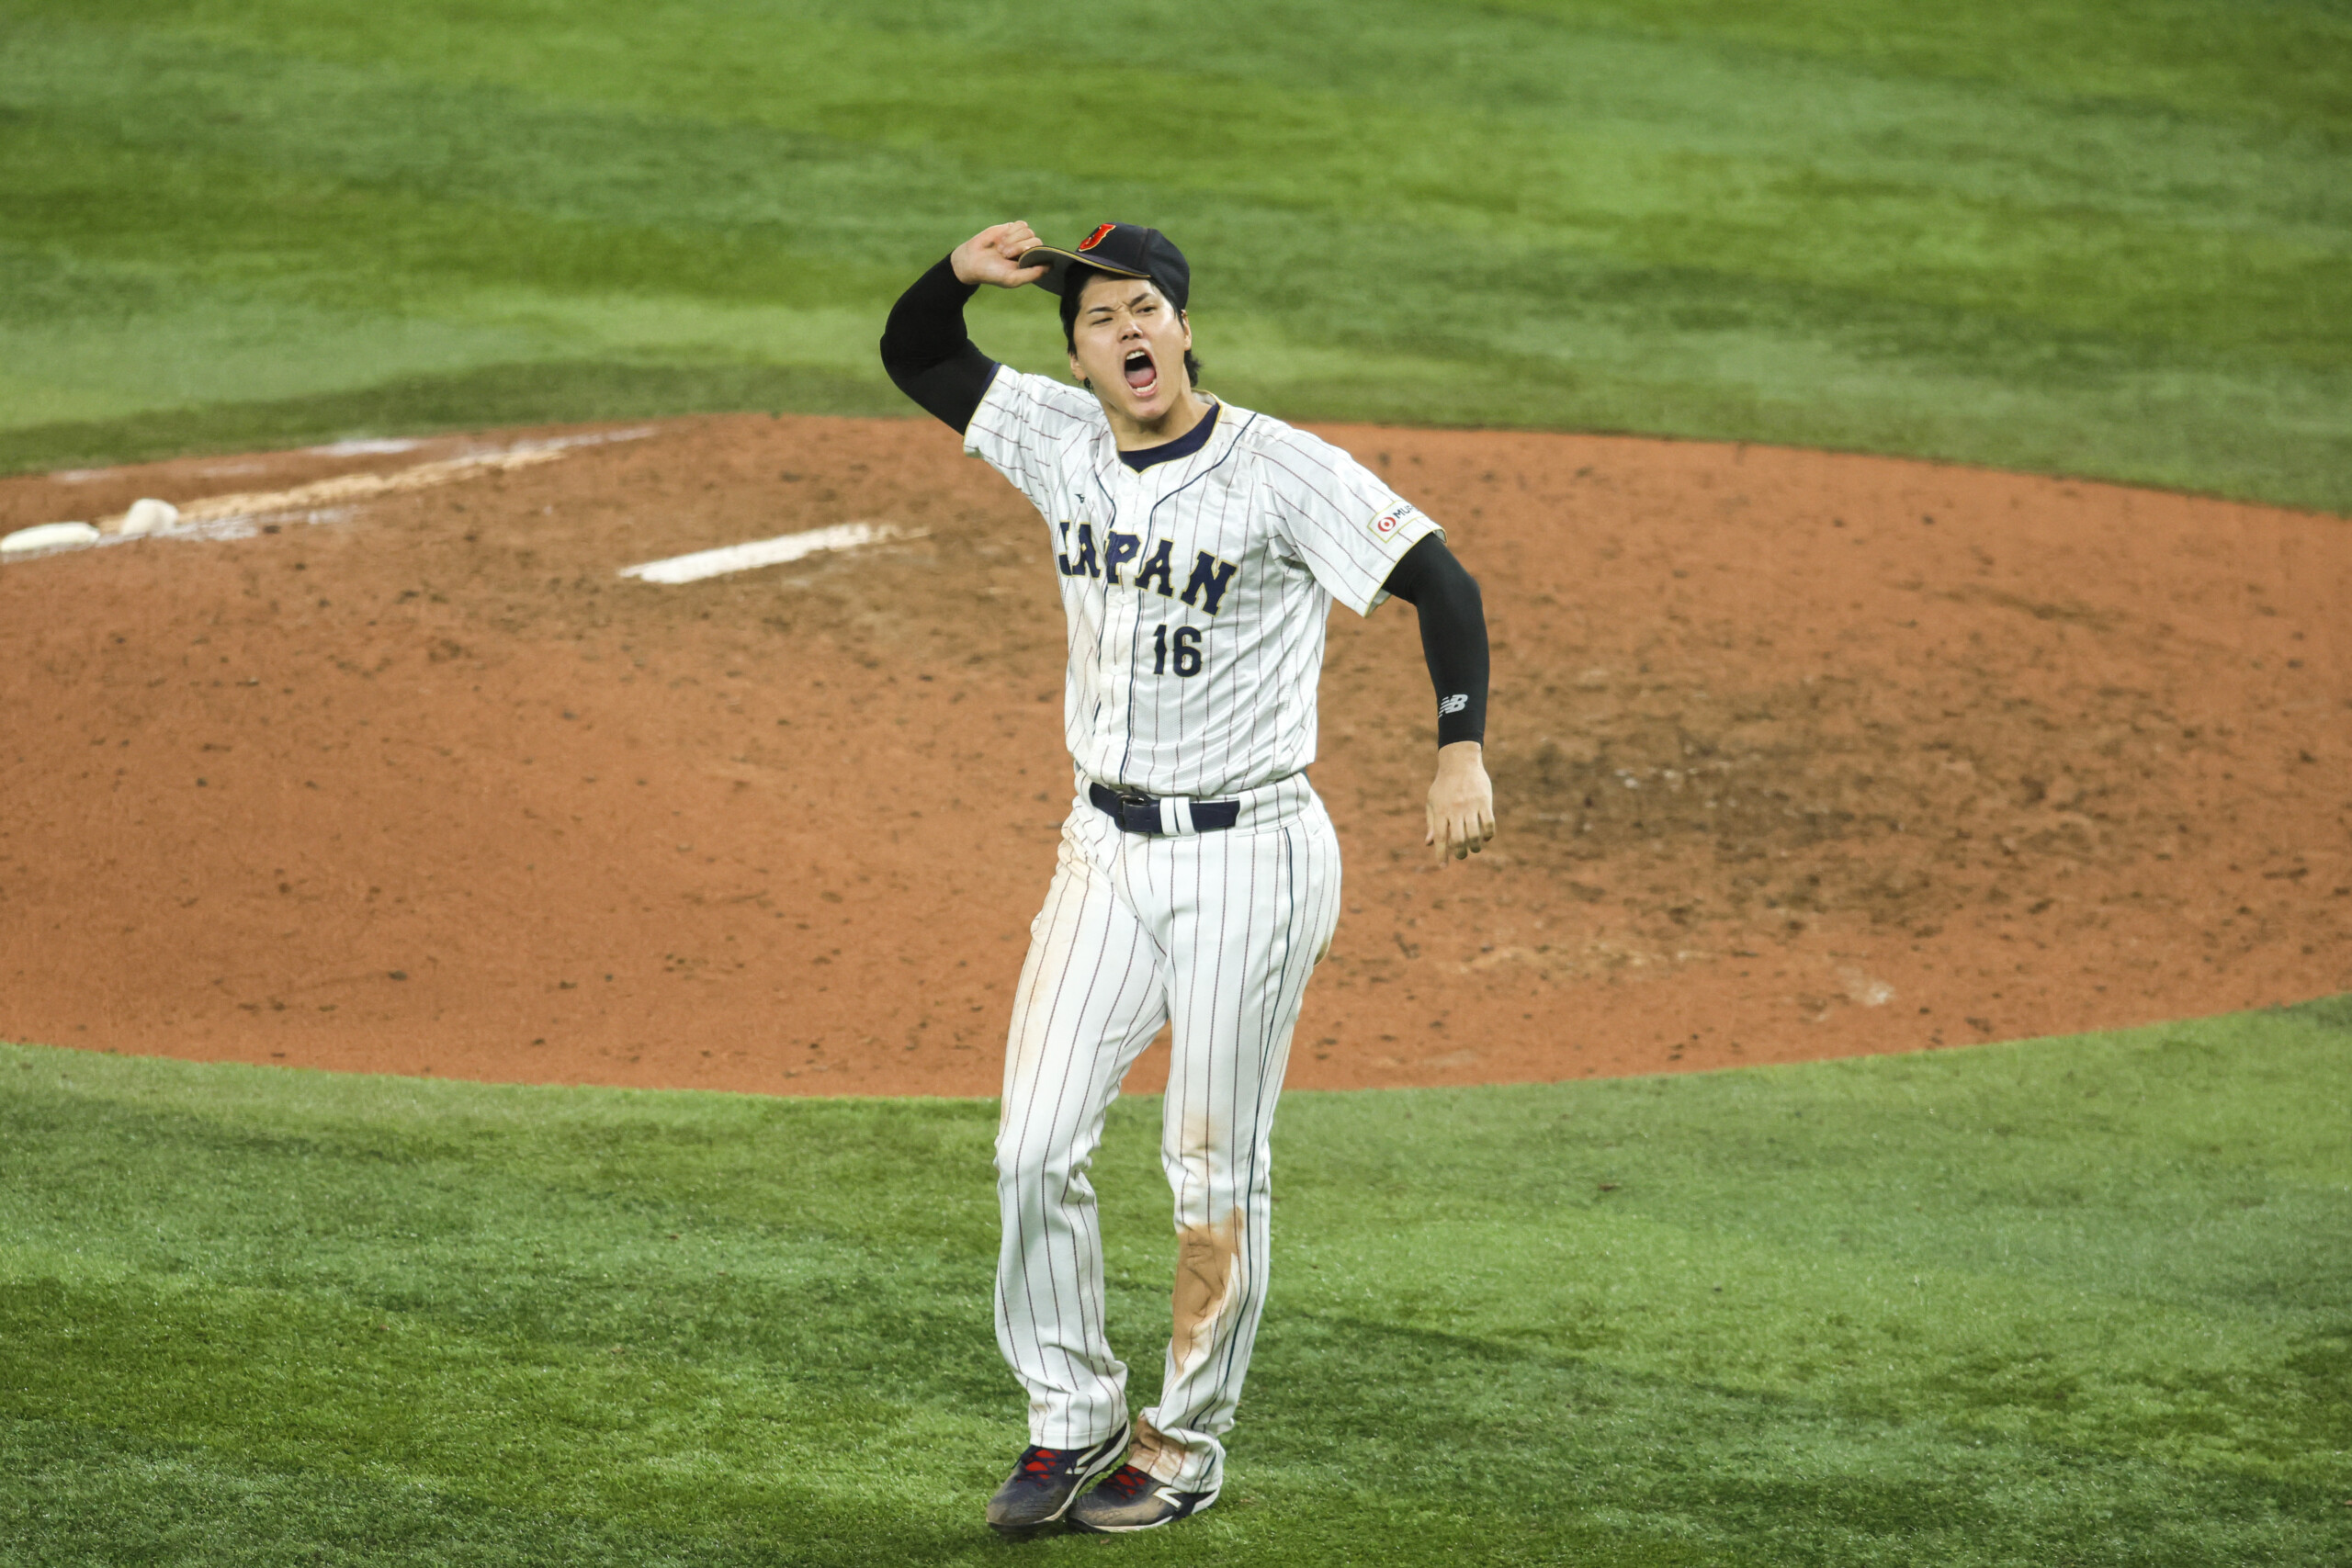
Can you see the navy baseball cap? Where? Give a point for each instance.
(1124, 249)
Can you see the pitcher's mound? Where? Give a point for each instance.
(1794, 755)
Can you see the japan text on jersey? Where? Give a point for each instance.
(1195, 590)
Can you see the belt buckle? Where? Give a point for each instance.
(1138, 813)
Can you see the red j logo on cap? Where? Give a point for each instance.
(1095, 239)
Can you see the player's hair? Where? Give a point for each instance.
(1074, 286)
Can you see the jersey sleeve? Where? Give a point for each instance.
(1021, 426)
(1345, 522)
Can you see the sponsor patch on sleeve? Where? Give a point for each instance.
(1386, 526)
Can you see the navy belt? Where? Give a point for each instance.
(1140, 813)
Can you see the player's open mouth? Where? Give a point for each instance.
(1142, 375)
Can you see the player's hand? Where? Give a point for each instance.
(1462, 802)
(993, 255)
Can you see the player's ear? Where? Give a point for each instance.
(1185, 321)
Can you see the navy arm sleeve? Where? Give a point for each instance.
(1453, 635)
(927, 352)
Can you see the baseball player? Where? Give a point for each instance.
(1199, 547)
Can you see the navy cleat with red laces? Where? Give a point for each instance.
(1039, 1490)
(1132, 1499)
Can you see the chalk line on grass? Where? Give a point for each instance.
(765, 552)
(243, 515)
(345, 487)
(363, 446)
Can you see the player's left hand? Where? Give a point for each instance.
(1462, 802)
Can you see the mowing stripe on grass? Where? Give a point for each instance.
(2091, 240)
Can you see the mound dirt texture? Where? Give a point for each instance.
(1795, 755)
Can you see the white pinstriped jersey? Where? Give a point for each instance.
(1197, 590)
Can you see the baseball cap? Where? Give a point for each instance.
(1127, 250)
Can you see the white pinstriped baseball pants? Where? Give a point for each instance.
(1215, 934)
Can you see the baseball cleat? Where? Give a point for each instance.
(1132, 1499)
(1039, 1490)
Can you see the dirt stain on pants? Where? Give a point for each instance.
(1208, 1277)
(1152, 1452)
(1206, 1271)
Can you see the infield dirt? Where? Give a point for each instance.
(1795, 755)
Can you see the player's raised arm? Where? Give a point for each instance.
(925, 348)
(1460, 808)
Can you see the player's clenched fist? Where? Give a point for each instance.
(993, 255)
(1462, 802)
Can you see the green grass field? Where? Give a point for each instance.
(2083, 1301)
(2080, 1301)
(2070, 236)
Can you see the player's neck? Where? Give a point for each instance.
(1134, 434)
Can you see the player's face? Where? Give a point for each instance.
(1129, 344)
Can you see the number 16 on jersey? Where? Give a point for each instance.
(1183, 650)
